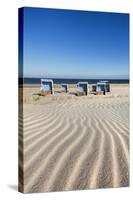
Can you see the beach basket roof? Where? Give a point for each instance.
(82, 83)
(104, 81)
(64, 84)
(101, 83)
(46, 80)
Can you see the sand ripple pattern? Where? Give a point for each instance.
(76, 144)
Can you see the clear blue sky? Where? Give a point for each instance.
(79, 44)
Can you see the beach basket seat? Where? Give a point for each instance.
(100, 93)
(80, 92)
(45, 92)
(63, 90)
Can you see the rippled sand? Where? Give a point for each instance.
(74, 143)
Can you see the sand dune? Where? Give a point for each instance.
(73, 143)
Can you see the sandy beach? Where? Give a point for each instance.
(74, 143)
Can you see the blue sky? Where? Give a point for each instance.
(76, 44)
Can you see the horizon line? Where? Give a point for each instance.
(49, 77)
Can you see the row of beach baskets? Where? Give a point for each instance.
(100, 88)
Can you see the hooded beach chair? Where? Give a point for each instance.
(46, 86)
(64, 87)
(102, 87)
(94, 86)
(82, 89)
(106, 85)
